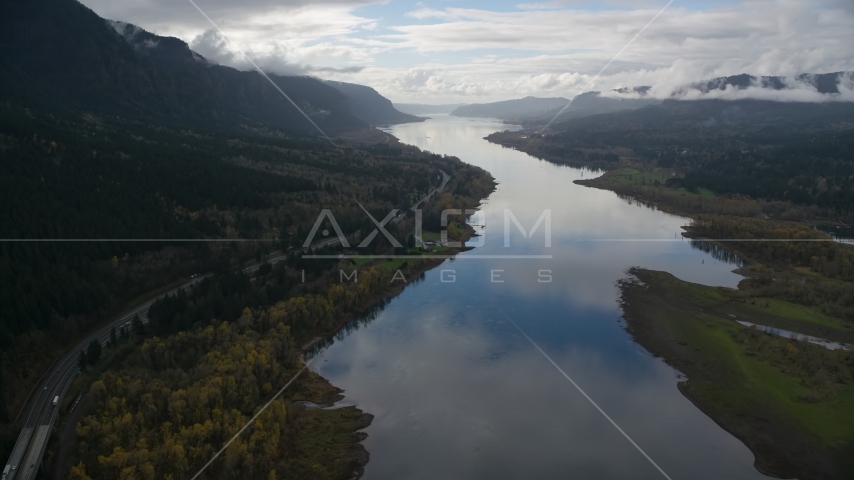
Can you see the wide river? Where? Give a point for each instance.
(472, 372)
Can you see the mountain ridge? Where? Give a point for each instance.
(508, 109)
(808, 87)
(369, 106)
(59, 54)
(824, 83)
(427, 109)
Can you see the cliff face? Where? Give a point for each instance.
(60, 54)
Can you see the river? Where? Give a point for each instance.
(470, 372)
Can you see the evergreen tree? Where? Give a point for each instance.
(137, 325)
(93, 352)
(81, 361)
(4, 412)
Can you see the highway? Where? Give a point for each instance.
(445, 179)
(32, 441)
(27, 454)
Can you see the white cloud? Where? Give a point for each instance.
(550, 48)
(796, 90)
(423, 13)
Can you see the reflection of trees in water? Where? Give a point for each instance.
(358, 321)
(631, 200)
(844, 234)
(717, 252)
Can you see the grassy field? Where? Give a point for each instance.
(649, 186)
(801, 313)
(430, 236)
(791, 402)
(634, 176)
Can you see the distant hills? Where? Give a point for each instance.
(823, 83)
(426, 109)
(511, 109)
(58, 54)
(593, 103)
(533, 110)
(530, 111)
(716, 115)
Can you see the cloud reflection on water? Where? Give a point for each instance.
(458, 393)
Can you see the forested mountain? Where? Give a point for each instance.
(794, 151)
(540, 111)
(426, 109)
(825, 83)
(526, 112)
(58, 54)
(591, 103)
(370, 107)
(511, 109)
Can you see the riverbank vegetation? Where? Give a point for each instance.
(178, 399)
(790, 401)
(180, 395)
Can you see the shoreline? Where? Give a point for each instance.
(334, 394)
(781, 445)
(687, 326)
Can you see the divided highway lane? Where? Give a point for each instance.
(41, 433)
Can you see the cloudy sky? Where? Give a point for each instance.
(449, 51)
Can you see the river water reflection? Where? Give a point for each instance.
(458, 392)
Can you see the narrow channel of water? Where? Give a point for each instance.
(456, 389)
(828, 344)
